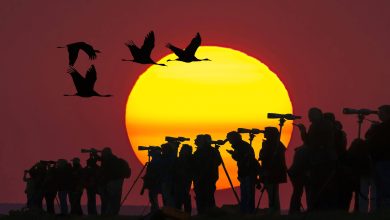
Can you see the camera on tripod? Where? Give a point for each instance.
(362, 111)
(219, 142)
(148, 148)
(176, 139)
(283, 116)
(250, 131)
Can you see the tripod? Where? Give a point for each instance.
(228, 176)
(136, 179)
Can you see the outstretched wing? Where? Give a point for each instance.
(78, 80)
(88, 49)
(90, 78)
(148, 45)
(179, 52)
(73, 52)
(134, 50)
(193, 46)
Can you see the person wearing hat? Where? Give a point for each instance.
(247, 164)
(77, 186)
(273, 166)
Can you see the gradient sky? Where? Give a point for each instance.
(331, 54)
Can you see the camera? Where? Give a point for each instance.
(250, 131)
(283, 116)
(149, 148)
(363, 111)
(91, 151)
(219, 142)
(176, 139)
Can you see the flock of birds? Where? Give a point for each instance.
(85, 85)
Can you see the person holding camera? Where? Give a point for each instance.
(206, 161)
(91, 175)
(152, 178)
(183, 178)
(248, 169)
(273, 166)
(63, 175)
(378, 140)
(169, 157)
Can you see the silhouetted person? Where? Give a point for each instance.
(244, 155)
(142, 55)
(188, 54)
(38, 173)
(169, 158)
(298, 173)
(378, 140)
(273, 166)
(112, 172)
(91, 175)
(73, 51)
(183, 178)
(85, 86)
(152, 178)
(319, 140)
(339, 135)
(206, 161)
(77, 186)
(50, 187)
(360, 177)
(29, 190)
(63, 175)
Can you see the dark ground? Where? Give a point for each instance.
(221, 213)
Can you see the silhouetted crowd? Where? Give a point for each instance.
(331, 175)
(61, 181)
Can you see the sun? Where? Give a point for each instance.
(231, 91)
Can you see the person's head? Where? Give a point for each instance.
(234, 137)
(106, 152)
(271, 133)
(62, 163)
(329, 116)
(384, 112)
(76, 161)
(185, 151)
(203, 140)
(155, 152)
(315, 115)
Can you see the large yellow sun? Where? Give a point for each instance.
(231, 91)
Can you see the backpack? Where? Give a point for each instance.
(124, 168)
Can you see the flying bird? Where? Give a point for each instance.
(142, 55)
(73, 51)
(187, 55)
(84, 86)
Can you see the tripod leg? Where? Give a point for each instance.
(258, 202)
(132, 186)
(231, 183)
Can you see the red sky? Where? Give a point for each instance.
(331, 54)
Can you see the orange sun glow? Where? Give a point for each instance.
(231, 91)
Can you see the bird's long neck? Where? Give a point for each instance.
(127, 60)
(172, 60)
(160, 64)
(70, 95)
(60, 47)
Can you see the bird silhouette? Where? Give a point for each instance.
(142, 55)
(84, 86)
(73, 51)
(187, 55)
